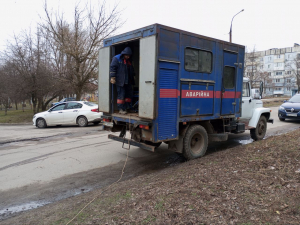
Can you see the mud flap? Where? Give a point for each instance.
(132, 142)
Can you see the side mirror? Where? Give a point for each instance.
(284, 101)
(261, 88)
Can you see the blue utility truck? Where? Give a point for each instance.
(188, 91)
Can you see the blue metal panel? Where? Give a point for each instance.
(167, 101)
(169, 44)
(139, 33)
(196, 99)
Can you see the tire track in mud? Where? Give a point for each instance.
(42, 157)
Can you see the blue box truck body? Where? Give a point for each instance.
(182, 80)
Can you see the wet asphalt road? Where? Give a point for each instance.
(41, 166)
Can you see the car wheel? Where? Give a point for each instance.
(259, 132)
(282, 119)
(82, 121)
(41, 123)
(195, 142)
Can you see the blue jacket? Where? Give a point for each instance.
(119, 70)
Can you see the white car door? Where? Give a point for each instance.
(71, 111)
(56, 116)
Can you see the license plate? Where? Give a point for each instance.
(292, 114)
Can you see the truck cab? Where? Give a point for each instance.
(188, 90)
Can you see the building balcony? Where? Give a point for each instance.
(278, 92)
(278, 84)
(278, 68)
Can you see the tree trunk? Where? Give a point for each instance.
(34, 103)
(16, 104)
(78, 94)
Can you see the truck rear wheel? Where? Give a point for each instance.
(195, 142)
(259, 132)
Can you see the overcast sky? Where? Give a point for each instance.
(264, 24)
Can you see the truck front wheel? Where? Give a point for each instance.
(259, 132)
(195, 142)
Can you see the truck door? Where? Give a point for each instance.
(228, 92)
(103, 80)
(147, 77)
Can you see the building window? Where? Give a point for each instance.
(269, 58)
(278, 89)
(269, 89)
(278, 73)
(288, 72)
(288, 80)
(198, 61)
(278, 64)
(277, 80)
(278, 56)
(269, 66)
(261, 59)
(269, 74)
(288, 88)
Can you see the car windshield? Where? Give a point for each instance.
(295, 98)
(90, 104)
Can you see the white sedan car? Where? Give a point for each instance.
(75, 112)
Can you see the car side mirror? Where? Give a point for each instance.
(284, 100)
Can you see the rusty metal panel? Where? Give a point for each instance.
(147, 77)
(103, 80)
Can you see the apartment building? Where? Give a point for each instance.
(276, 68)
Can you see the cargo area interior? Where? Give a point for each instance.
(135, 59)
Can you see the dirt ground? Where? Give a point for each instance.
(258, 183)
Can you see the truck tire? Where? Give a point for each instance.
(195, 142)
(259, 132)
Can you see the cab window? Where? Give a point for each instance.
(246, 90)
(197, 60)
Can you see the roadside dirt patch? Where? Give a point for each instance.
(257, 183)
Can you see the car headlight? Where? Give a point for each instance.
(281, 108)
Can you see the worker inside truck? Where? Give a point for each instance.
(124, 72)
(122, 75)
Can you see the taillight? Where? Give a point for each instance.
(144, 127)
(106, 120)
(95, 110)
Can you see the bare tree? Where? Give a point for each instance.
(294, 67)
(27, 60)
(76, 45)
(252, 68)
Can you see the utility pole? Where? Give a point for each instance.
(230, 32)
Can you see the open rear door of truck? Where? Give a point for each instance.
(103, 80)
(147, 77)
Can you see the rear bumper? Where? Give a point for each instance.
(131, 142)
(95, 120)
